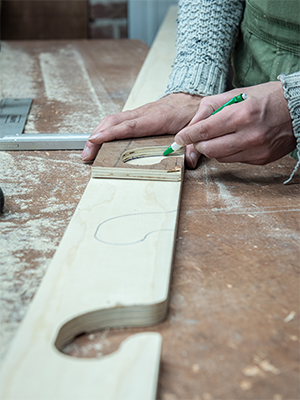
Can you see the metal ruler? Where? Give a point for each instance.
(13, 117)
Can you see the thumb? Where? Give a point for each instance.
(191, 156)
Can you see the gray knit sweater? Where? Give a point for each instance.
(205, 38)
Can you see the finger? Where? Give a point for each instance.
(137, 127)
(253, 156)
(204, 111)
(100, 135)
(191, 156)
(215, 126)
(210, 104)
(90, 151)
(113, 120)
(221, 147)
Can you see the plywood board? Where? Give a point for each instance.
(135, 159)
(111, 269)
(153, 78)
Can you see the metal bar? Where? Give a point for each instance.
(13, 116)
(44, 141)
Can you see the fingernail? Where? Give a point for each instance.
(95, 135)
(179, 141)
(86, 152)
(193, 159)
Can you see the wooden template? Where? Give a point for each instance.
(111, 269)
(116, 160)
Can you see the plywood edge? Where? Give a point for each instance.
(34, 368)
(114, 160)
(149, 86)
(137, 174)
(116, 317)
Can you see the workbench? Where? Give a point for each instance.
(232, 330)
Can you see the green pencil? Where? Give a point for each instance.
(243, 96)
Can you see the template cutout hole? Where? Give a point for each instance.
(146, 155)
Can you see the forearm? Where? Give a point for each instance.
(205, 37)
(291, 87)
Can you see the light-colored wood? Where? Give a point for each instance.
(111, 269)
(128, 373)
(154, 75)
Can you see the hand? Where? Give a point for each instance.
(255, 131)
(167, 115)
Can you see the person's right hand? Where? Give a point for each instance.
(167, 115)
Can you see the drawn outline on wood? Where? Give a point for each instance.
(89, 286)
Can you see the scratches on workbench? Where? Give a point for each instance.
(32, 225)
(224, 195)
(231, 202)
(61, 67)
(62, 76)
(20, 78)
(17, 79)
(66, 80)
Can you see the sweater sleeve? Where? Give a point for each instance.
(291, 87)
(205, 37)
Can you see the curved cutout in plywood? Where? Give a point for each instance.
(145, 156)
(131, 159)
(86, 275)
(91, 285)
(117, 317)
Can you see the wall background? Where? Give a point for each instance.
(82, 19)
(145, 17)
(43, 19)
(108, 19)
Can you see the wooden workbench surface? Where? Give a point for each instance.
(232, 329)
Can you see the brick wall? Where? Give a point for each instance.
(43, 19)
(108, 19)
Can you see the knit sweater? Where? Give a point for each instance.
(205, 38)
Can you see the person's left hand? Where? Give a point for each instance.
(166, 115)
(257, 130)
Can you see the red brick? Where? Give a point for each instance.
(123, 31)
(101, 32)
(112, 10)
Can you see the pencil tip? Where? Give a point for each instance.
(168, 151)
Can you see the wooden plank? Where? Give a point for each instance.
(112, 268)
(235, 276)
(98, 64)
(157, 66)
(119, 159)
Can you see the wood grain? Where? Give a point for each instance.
(236, 265)
(157, 66)
(114, 157)
(112, 268)
(107, 71)
(44, 200)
